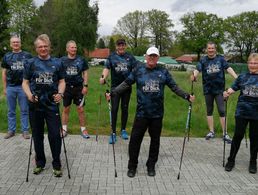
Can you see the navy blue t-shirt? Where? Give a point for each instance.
(213, 75)
(44, 76)
(14, 65)
(120, 66)
(150, 89)
(73, 70)
(247, 105)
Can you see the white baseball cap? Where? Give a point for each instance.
(152, 50)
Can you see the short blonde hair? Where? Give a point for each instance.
(69, 42)
(253, 56)
(44, 38)
(15, 37)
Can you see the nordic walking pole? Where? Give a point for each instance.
(246, 140)
(187, 127)
(113, 133)
(99, 111)
(188, 132)
(27, 177)
(224, 133)
(68, 170)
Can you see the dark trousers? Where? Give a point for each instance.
(209, 100)
(154, 126)
(240, 129)
(115, 100)
(53, 122)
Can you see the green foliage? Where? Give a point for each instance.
(112, 45)
(239, 68)
(159, 25)
(4, 20)
(22, 13)
(133, 26)
(199, 28)
(101, 43)
(69, 20)
(242, 33)
(175, 109)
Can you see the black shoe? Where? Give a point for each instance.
(229, 166)
(151, 172)
(131, 172)
(252, 168)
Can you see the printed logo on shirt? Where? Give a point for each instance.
(71, 70)
(121, 67)
(45, 78)
(213, 68)
(17, 65)
(251, 91)
(151, 86)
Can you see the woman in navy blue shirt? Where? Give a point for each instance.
(246, 112)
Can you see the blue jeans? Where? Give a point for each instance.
(13, 93)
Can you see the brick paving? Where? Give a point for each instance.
(92, 169)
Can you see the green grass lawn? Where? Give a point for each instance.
(175, 109)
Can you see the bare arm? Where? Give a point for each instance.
(232, 72)
(27, 91)
(194, 75)
(85, 82)
(228, 92)
(61, 88)
(104, 75)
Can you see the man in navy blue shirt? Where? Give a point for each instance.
(44, 85)
(76, 79)
(120, 63)
(150, 81)
(13, 65)
(246, 113)
(212, 68)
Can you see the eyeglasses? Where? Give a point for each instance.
(253, 63)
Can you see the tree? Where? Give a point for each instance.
(159, 26)
(70, 20)
(198, 29)
(4, 18)
(101, 43)
(111, 45)
(241, 33)
(21, 12)
(133, 26)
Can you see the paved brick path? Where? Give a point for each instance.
(92, 169)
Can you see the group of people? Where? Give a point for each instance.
(40, 83)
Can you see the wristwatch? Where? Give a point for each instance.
(85, 85)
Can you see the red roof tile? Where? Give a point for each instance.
(99, 53)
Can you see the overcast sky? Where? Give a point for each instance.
(110, 11)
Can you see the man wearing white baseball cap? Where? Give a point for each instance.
(150, 82)
(152, 50)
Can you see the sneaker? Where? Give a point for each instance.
(112, 138)
(124, 134)
(227, 139)
(131, 172)
(37, 170)
(210, 135)
(252, 167)
(9, 135)
(26, 135)
(229, 166)
(85, 134)
(57, 172)
(63, 133)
